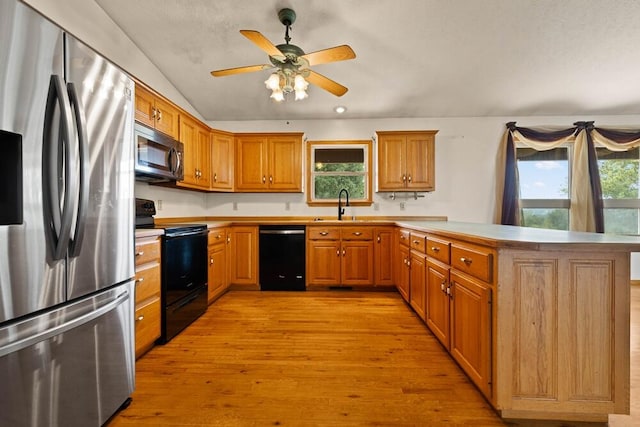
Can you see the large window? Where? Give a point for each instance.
(619, 178)
(334, 165)
(545, 182)
(544, 178)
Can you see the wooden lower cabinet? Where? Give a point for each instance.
(438, 300)
(402, 263)
(383, 256)
(218, 267)
(147, 294)
(340, 256)
(470, 328)
(417, 282)
(243, 256)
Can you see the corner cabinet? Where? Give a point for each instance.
(222, 155)
(406, 160)
(268, 162)
(155, 112)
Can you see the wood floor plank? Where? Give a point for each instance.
(296, 359)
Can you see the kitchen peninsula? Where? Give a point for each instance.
(537, 319)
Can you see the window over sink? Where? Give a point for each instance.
(334, 165)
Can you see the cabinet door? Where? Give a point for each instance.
(357, 263)
(285, 164)
(203, 157)
(189, 137)
(217, 271)
(471, 329)
(145, 107)
(391, 162)
(437, 316)
(222, 161)
(323, 262)
(403, 271)
(383, 256)
(417, 282)
(244, 255)
(420, 161)
(167, 118)
(251, 163)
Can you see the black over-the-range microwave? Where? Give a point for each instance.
(158, 156)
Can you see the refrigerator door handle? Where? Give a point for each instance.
(64, 327)
(83, 145)
(58, 219)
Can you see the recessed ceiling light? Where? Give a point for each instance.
(340, 109)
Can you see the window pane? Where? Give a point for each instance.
(621, 221)
(328, 187)
(543, 174)
(619, 173)
(339, 160)
(557, 219)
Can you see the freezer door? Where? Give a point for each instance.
(102, 241)
(30, 54)
(73, 366)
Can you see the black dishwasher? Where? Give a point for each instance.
(282, 257)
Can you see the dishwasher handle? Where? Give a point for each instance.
(281, 231)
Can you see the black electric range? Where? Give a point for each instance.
(184, 270)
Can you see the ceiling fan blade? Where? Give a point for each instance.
(332, 54)
(326, 83)
(263, 43)
(239, 70)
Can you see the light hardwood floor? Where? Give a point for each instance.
(317, 358)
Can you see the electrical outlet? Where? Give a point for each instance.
(401, 206)
(159, 205)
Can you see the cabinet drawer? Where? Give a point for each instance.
(357, 233)
(403, 237)
(147, 282)
(438, 249)
(472, 260)
(217, 235)
(323, 233)
(147, 251)
(147, 323)
(418, 241)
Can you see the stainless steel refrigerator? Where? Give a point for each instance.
(66, 227)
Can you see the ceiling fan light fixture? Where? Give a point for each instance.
(277, 95)
(273, 82)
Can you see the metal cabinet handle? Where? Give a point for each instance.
(140, 318)
(402, 237)
(409, 178)
(324, 233)
(338, 252)
(159, 115)
(416, 242)
(404, 178)
(140, 279)
(264, 179)
(379, 239)
(211, 261)
(153, 113)
(442, 285)
(218, 236)
(215, 177)
(467, 261)
(140, 253)
(270, 179)
(357, 233)
(435, 249)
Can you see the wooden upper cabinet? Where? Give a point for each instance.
(406, 160)
(222, 154)
(268, 162)
(197, 153)
(155, 112)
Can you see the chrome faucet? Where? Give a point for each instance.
(340, 208)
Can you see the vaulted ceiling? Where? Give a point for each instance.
(415, 58)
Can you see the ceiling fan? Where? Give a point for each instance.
(293, 72)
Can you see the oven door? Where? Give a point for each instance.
(184, 265)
